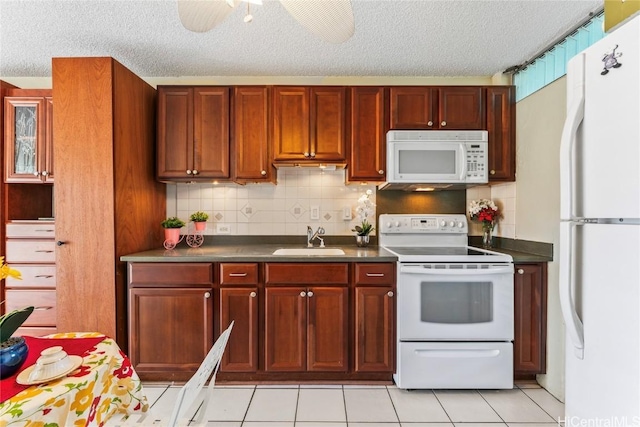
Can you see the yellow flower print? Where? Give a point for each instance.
(123, 386)
(103, 410)
(29, 393)
(83, 399)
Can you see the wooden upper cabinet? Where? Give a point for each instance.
(251, 142)
(193, 133)
(28, 136)
(367, 136)
(501, 127)
(443, 108)
(309, 123)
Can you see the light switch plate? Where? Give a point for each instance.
(223, 229)
(315, 212)
(346, 213)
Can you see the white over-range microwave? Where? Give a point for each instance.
(431, 159)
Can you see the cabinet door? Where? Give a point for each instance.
(211, 132)
(529, 343)
(413, 107)
(241, 306)
(25, 134)
(327, 120)
(170, 329)
(375, 343)
(501, 128)
(252, 151)
(367, 140)
(461, 107)
(175, 132)
(291, 123)
(285, 329)
(47, 159)
(327, 329)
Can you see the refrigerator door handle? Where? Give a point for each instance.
(567, 284)
(575, 116)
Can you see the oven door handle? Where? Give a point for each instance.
(456, 272)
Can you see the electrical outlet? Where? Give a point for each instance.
(346, 213)
(223, 229)
(315, 212)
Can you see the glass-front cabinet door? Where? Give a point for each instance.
(28, 138)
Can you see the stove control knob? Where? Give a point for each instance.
(460, 224)
(443, 223)
(397, 223)
(452, 224)
(389, 225)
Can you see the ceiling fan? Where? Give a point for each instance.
(331, 20)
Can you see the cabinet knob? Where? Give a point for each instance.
(303, 294)
(443, 123)
(390, 293)
(252, 294)
(60, 243)
(207, 294)
(188, 171)
(380, 172)
(306, 154)
(310, 293)
(45, 173)
(313, 154)
(263, 173)
(520, 271)
(429, 123)
(492, 172)
(195, 172)
(36, 173)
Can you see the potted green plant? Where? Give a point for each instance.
(172, 226)
(200, 218)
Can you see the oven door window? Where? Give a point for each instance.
(456, 302)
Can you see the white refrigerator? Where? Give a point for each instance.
(600, 232)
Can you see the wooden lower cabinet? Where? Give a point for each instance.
(530, 311)
(294, 321)
(306, 329)
(240, 305)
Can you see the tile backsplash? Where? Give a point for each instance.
(303, 196)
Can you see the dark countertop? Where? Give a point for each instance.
(261, 252)
(522, 251)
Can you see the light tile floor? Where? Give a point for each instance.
(368, 406)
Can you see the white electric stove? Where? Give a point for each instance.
(455, 305)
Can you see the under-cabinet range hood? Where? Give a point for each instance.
(436, 160)
(329, 166)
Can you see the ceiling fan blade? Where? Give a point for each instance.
(202, 15)
(331, 20)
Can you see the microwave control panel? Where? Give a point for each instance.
(477, 160)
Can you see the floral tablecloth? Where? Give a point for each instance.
(105, 384)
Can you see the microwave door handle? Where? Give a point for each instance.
(456, 272)
(463, 163)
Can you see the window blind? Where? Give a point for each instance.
(552, 64)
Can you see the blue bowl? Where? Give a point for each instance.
(12, 356)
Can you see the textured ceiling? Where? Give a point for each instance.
(392, 38)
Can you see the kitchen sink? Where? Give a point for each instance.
(309, 251)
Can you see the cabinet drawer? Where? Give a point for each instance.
(375, 274)
(238, 274)
(33, 276)
(31, 251)
(143, 274)
(307, 273)
(35, 229)
(43, 301)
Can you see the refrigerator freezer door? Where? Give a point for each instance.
(604, 386)
(608, 146)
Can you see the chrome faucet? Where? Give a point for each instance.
(311, 236)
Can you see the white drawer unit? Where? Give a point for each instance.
(31, 249)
